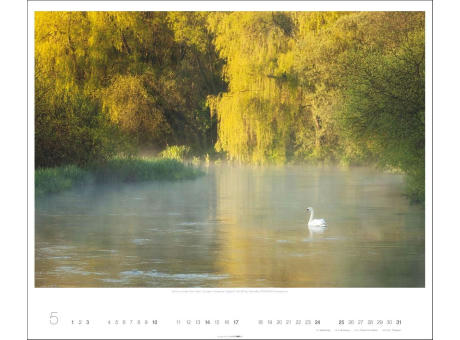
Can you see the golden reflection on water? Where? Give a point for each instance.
(257, 252)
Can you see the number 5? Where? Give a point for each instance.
(53, 318)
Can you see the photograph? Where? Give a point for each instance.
(229, 149)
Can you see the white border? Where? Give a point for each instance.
(412, 305)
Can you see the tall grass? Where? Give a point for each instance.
(50, 180)
(137, 170)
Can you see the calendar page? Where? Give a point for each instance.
(256, 169)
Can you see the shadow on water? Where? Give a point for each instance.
(235, 227)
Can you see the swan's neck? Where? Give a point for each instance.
(311, 216)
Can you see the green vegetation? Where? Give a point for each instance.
(178, 152)
(120, 170)
(256, 87)
(324, 86)
(137, 170)
(108, 82)
(51, 180)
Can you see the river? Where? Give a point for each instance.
(237, 226)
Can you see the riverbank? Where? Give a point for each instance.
(122, 170)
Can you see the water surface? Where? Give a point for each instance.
(234, 227)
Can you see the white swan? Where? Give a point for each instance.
(315, 223)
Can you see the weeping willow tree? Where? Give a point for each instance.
(107, 81)
(257, 113)
(69, 126)
(277, 108)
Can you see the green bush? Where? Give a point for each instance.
(415, 186)
(177, 152)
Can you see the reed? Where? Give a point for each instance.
(116, 170)
(51, 180)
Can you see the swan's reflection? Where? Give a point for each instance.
(315, 231)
